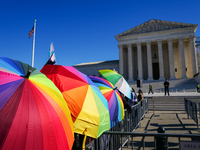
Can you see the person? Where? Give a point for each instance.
(166, 85)
(140, 97)
(134, 97)
(126, 103)
(150, 89)
(78, 142)
(197, 87)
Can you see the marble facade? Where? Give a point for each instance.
(158, 49)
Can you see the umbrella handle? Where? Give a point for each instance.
(84, 133)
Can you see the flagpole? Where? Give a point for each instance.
(33, 43)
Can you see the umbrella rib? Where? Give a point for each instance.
(88, 122)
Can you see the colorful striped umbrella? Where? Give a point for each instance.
(118, 81)
(33, 112)
(115, 102)
(89, 108)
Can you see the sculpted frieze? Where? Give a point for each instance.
(157, 25)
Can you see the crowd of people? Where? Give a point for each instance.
(135, 98)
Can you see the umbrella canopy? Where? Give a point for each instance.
(115, 102)
(33, 112)
(118, 81)
(89, 108)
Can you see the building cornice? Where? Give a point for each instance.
(187, 32)
(156, 26)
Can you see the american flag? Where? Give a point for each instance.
(31, 32)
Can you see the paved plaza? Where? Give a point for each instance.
(172, 121)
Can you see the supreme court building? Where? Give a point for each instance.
(154, 50)
(158, 49)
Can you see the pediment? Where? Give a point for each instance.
(156, 25)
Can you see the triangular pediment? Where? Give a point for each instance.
(156, 25)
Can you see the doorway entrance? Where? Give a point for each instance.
(156, 71)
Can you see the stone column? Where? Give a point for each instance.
(149, 59)
(171, 59)
(194, 55)
(139, 52)
(160, 56)
(130, 63)
(121, 61)
(182, 56)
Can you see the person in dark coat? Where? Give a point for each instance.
(166, 85)
(140, 97)
(126, 103)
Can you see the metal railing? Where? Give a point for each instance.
(122, 135)
(155, 135)
(191, 110)
(130, 122)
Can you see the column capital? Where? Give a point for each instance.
(120, 46)
(170, 39)
(129, 44)
(159, 41)
(148, 42)
(138, 43)
(180, 38)
(192, 38)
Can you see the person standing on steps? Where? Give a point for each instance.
(166, 85)
(197, 87)
(150, 89)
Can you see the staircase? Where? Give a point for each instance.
(169, 103)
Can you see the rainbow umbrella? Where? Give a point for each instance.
(118, 81)
(88, 107)
(115, 102)
(33, 112)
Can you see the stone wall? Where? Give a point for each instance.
(92, 69)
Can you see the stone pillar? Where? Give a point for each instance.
(171, 59)
(182, 56)
(194, 55)
(121, 61)
(139, 52)
(160, 56)
(130, 63)
(149, 59)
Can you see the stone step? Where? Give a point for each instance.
(169, 103)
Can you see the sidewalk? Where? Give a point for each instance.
(172, 121)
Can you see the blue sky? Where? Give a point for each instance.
(81, 30)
